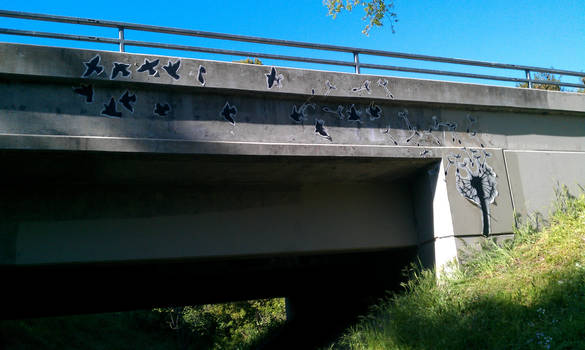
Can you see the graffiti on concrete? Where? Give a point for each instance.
(364, 87)
(298, 115)
(383, 83)
(450, 126)
(320, 129)
(475, 180)
(149, 66)
(273, 77)
(162, 109)
(201, 75)
(86, 91)
(228, 112)
(422, 136)
(330, 87)
(93, 66)
(389, 134)
(339, 112)
(110, 109)
(374, 111)
(470, 121)
(120, 68)
(354, 114)
(128, 101)
(173, 68)
(412, 128)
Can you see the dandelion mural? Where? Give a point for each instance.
(475, 180)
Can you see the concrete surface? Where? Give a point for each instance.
(374, 183)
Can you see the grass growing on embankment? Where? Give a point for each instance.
(529, 294)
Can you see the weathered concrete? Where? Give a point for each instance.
(290, 162)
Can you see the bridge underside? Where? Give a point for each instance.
(198, 228)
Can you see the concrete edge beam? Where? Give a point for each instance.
(23, 60)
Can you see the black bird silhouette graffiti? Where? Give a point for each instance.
(161, 110)
(149, 66)
(127, 101)
(200, 76)
(476, 181)
(320, 129)
(297, 114)
(172, 69)
(85, 90)
(273, 77)
(338, 112)
(93, 66)
(354, 115)
(120, 68)
(229, 113)
(374, 111)
(110, 109)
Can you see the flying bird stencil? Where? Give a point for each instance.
(149, 66)
(200, 75)
(297, 115)
(229, 113)
(162, 110)
(172, 69)
(273, 77)
(120, 68)
(110, 109)
(320, 129)
(354, 114)
(127, 101)
(85, 90)
(93, 66)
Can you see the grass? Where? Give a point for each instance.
(527, 294)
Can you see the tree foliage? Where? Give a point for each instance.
(236, 325)
(375, 11)
(250, 60)
(545, 77)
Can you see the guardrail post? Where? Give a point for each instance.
(529, 78)
(121, 38)
(356, 60)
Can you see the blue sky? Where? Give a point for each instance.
(537, 32)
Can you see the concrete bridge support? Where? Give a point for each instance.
(109, 159)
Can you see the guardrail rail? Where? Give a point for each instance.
(122, 43)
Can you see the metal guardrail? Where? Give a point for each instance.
(122, 43)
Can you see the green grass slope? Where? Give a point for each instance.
(529, 294)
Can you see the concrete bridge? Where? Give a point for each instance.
(124, 175)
